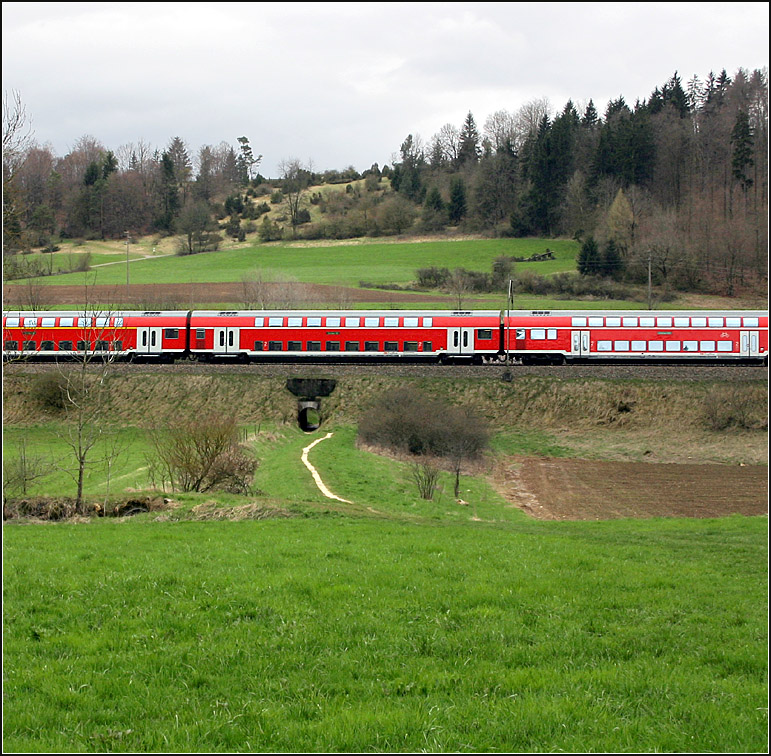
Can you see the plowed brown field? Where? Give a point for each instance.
(578, 489)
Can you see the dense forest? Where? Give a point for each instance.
(675, 186)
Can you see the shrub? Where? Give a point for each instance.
(202, 453)
(407, 421)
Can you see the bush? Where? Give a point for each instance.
(407, 421)
(734, 407)
(202, 453)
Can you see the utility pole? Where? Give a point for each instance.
(650, 295)
(509, 308)
(128, 241)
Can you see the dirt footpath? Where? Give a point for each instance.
(578, 489)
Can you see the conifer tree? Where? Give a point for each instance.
(457, 206)
(589, 262)
(469, 151)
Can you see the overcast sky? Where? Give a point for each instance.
(343, 84)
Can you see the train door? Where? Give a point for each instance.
(149, 340)
(750, 344)
(226, 340)
(580, 344)
(460, 341)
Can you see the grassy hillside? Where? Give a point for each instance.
(343, 264)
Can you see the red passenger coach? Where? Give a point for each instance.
(52, 335)
(335, 335)
(592, 336)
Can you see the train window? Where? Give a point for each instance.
(391, 322)
(11, 346)
(117, 321)
(707, 346)
(65, 346)
(690, 346)
(733, 322)
(621, 346)
(314, 322)
(117, 346)
(171, 333)
(333, 322)
(647, 322)
(410, 322)
(314, 346)
(259, 322)
(391, 346)
(48, 322)
(200, 334)
(102, 346)
(352, 322)
(715, 322)
(275, 346)
(30, 322)
(410, 346)
(257, 346)
(102, 322)
(673, 346)
(428, 322)
(46, 346)
(294, 346)
(275, 322)
(332, 346)
(83, 346)
(428, 346)
(639, 346)
(29, 346)
(699, 322)
(352, 346)
(682, 322)
(604, 346)
(538, 333)
(371, 346)
(579, 322)
(84, 322)
(725, 346)
(613, 322)
(655, 346)
(664, 322)
(551, 333)
(294, 322)
(66, 322)
(371, 322)
(11, 322)
(455, 340)
(595, 322)
(485, 334)
(751, 322)
(629, 322)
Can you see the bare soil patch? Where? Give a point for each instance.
(578, 489)
(181, 296)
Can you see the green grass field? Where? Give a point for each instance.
(341, 265)
(353, 634)
(393, 624)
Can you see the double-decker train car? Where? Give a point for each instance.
(478, 336)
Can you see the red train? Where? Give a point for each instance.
(521, 336)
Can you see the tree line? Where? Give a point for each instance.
(674, 187)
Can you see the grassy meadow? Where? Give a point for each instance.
(356, 634)
(287, 622)
(342, 264)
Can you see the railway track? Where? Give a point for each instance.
(650, 372)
